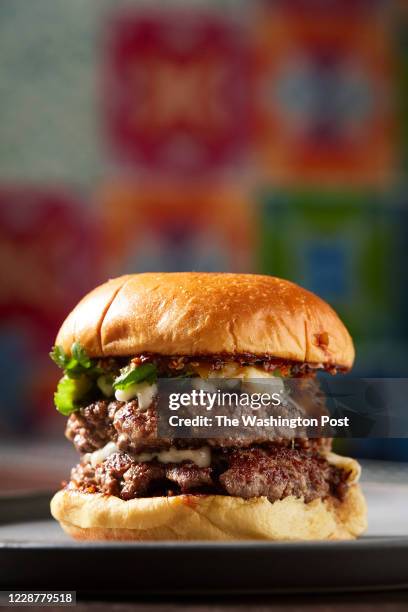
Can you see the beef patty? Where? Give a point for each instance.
(134, 430)
(274, 472)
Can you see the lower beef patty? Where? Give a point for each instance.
(273, 472)
(134, 430)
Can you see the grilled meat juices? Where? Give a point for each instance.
(130, 483)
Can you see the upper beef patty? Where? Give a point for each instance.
(135, 430)
(274, 472)
(106, 421)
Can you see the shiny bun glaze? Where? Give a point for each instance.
(207, 314)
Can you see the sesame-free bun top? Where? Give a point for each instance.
(193, 313)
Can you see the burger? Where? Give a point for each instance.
(133, 484)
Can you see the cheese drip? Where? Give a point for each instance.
(200, 456)
(143, 391)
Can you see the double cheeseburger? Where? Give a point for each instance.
(131, 484)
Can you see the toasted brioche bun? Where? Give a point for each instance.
(93, 516)
(205, 314)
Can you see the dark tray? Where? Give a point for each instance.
(35, 554)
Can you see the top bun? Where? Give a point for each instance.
(192, 313)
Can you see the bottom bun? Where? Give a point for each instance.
(92, 516)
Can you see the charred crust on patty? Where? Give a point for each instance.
(274, 472)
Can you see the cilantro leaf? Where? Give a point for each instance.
(132, 375)
(79, 363)
(80, 355)
(59, 356)
(69, 392)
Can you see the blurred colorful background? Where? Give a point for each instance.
(221, 135)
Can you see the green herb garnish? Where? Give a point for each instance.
(80, 374)
(130, 375)
(77, 364)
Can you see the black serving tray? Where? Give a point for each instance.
(36, 554)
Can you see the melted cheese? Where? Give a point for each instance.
(143, 391)
(101, 454)
(200, 456)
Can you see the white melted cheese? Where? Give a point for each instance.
(101, 454)
(143, 391)
(200, 456)
(249, 375)
(204, 385)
